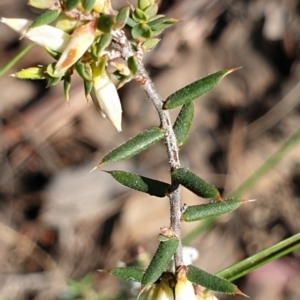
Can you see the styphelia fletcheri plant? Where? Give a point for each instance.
(86, 37)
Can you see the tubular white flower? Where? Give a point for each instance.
(184, 288)
(107, 100)
(45, 35)
(81, 39)
(164, 292)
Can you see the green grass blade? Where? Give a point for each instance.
(255, 261)
(13, 61)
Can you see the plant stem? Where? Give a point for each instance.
(122, 44)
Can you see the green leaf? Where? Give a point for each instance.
(103, 42)
(131, 23)
(128, 273)
(151, 11)
(183, 123)
(143, 184)
(122, 17)
(134, 146)
(106, 23)
(42, 4)
(195, 89)
(33, 73)
(204, 211)
(84, 71)
(67, 85)
(150, 44)
(141, 32)
(160, 260)
(88, 5)
(210, 281)
(45, 18)
(132, 64)
(70, 4)
(159, 25)
(253, 262)
(139, 16)
(143, 4)
(195, 184)
(88, 85)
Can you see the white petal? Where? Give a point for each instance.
(45, 35)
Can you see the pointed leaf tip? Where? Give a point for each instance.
(240, 293)
(196, 89)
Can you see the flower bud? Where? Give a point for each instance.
(45, 35)
(81, 39)
(184, 288)
(106, 98)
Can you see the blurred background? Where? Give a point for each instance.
(58, 222)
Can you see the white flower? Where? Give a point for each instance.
(45, 35)
(184, 288)
(107, 100)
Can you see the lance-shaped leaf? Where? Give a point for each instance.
(88, 86)
(45, 18)
(143, 184)
(134, 146)
(195, 184)
(33, 73)
(159, 25)
(128, 273)
(160, 260)
(183, 123)
(43, 4)
(150, 44)
(211, 282)
(143, 4)
(132, 64)
(204, 211)
(195, 89)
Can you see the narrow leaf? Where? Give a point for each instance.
(160, 260)
(210, 281)
(143, 184)
(204, 211)
(128, 273)
(151, 11)
(88, 86)
(195, 184)
(45, 18)
(159, 25)
(195, 89)
(183, 123)
(135, 145)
